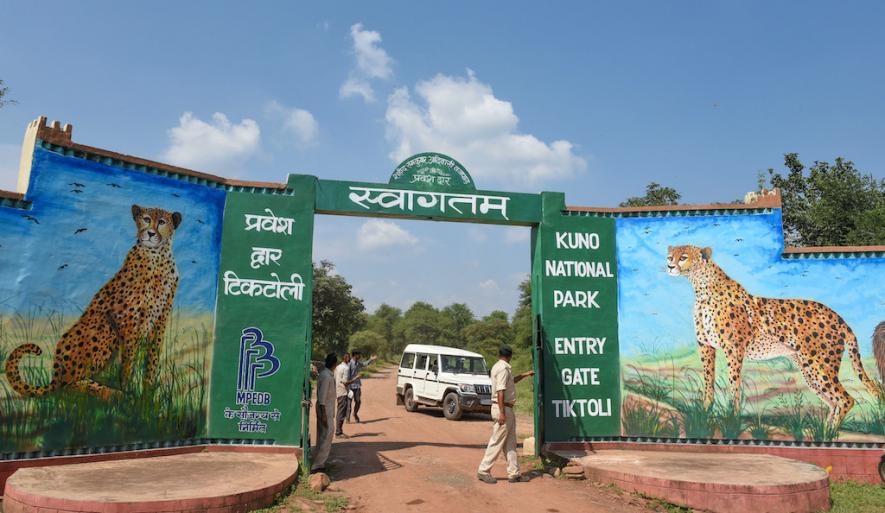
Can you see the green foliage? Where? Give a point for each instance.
(420, 325)
(655, 194)
(336, 311)
(487, 335)
(853, 497)
(729, 421)
(367, 341)
(832, 205)
(791, 415)
(640, 419)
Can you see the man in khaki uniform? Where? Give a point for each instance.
(504, 429)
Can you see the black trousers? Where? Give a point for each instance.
(357, 401)
(342, 413)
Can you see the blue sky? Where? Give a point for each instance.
(595, 99)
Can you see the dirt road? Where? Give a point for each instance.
(396, 461)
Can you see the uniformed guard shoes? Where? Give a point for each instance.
(486, 478)
(518, 479)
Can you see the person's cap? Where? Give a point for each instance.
(505, 350)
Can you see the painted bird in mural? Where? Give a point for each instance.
(78, 231)
(728, 318)
(76, 191)
(30, 218)
(131, 309)
(75, 184)
(62, 267)
(115, 186)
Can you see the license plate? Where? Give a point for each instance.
(485, 402)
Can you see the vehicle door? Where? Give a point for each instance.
(419, 379)
(406, 370)
(432, 386)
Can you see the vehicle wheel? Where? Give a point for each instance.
(882, 469)
(409, 400)
(452, 406)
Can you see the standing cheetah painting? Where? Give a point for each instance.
(728, 318)
(132, 308)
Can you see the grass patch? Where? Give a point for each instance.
(662, 505)
(853, 497)
(173, 408)
(652, 420)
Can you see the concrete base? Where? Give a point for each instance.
(218, 482)
(722, 483)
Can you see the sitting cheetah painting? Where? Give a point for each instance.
(132, 308)
(730, 319)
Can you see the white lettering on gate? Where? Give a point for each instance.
(575, 299)
(580, 376)
(577, 240)
(578, 345)
(579, 269)
(566, 408)
(405, 200)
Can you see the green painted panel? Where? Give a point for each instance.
(398, 201)
(574, 275)
(263, 316)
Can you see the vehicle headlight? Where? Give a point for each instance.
(467, 388)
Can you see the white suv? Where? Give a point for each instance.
(454, 379)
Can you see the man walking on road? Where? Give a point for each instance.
(342, 375)
(325, 414)
(504, 428)
(356, 384)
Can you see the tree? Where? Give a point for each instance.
(655, 194)
(522, 317)
(337, 313)
(831, 205)
(4, 92)
(383, 322)
(487, 335)
(454, 318)
(420, 325)
(368, 342)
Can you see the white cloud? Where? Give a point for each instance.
(195, 143)
(461, 116)
(301, 124)
(9, 160)
(357, 87)
(477, 234)
(372, 63)
(377, 234)
(489, 285)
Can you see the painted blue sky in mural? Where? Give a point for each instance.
(80, 228)
(655, 309)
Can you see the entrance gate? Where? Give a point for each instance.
(267, 256)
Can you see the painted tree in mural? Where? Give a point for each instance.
(655, 194)
(337, 313)
(830, 205)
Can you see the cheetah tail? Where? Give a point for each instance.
(14, 376)
(854, 355)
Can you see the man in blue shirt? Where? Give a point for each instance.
(356, 365)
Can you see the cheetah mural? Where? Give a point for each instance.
(132, 307)
(728, 318)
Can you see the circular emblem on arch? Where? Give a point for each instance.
(432, 172)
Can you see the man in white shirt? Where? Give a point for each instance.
(325, 414)
(503, 438)
(342, 375)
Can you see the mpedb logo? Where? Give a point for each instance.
(256, 361)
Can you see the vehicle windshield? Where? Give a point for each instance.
(463, 364)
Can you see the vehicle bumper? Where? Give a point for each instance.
(476, 403)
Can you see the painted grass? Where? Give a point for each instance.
(776, 401)
(174, 408)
